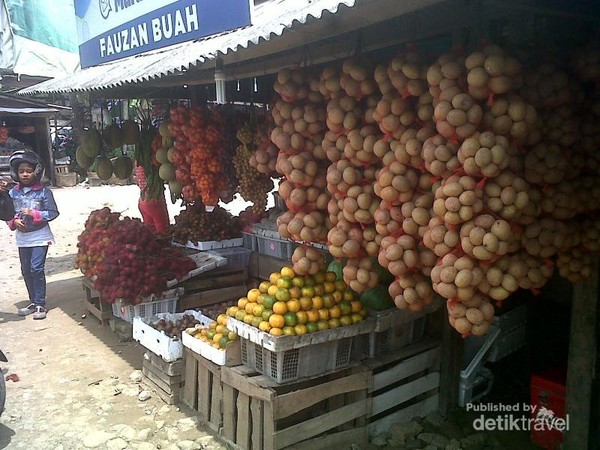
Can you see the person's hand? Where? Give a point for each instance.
(20, 224)
(4, 186)
(26, 212)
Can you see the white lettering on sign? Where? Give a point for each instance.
(124, 40)
(167, 25)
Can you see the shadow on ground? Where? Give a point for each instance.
(6, 435)
(67, 295)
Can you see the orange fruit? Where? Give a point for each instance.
(276, 331)
(335, 312)
(293, 305)
(323, 325)
(282, 295)
(217, 337)
(222, 319)
(277, 321)
(330, 276)
(302, 317)
(356, 318)
(329, 287)
(346, 307)
(274, 277)
(337, 296)
(313, 315)
(346, 320)
(240, 315)
(258, 310)
(298, 281)
(272, 289)
(280, 308)
(319, 290)
(334, 323)
(306, 303)
(356, 306)
(323, 314)
(287, 272)
(261, 298)
(232, 336)
(348, 295)
(317, 302)
(253, 295)
(312, 327)
(264, 286)
(295, 292)
(265, 326)
(319, 277)
(266, 314)
(300, 329)
(219, 328)
(284, 283)
(328, 301)
(340, 286)
(309, 281)
(249, 307)
(308, 291)
(232, 310)
(290, 319)
(242, 302)
(256, 321)
(269, 301)
(289, 331)
(248, 319)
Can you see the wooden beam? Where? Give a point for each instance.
(582, 355)
(450, 366)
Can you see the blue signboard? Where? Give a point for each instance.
(113, 29)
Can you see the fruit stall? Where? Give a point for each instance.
(436, 205)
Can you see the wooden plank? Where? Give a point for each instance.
(406, 368)
(190, 388)
(450, 366)
(344, 439)
(213, 368)
(582, 359)
(198, 299)
(403, 353)
(229, 413)
(318, 425)
(242, 435)
(167, 380)
(421, 409)
(214, 280)
(258, 420)
(170, 368)
(165, 386)
(169, 398)
(216, 399)
(287, 404)
(268, 427)
(204, 391)
(405, 392)
(241, 383)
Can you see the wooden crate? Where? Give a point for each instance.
(403, 384)
(217, 286)
(252, 412)
(102, 311)
(163, 378)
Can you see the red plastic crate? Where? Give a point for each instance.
(548, 389)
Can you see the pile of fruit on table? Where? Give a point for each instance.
(216, 334)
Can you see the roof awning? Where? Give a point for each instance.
(4, 110)
(269, 19)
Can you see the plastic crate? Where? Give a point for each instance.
(397, 336)
(508, 343)
(297, 363)
(250, 241)
(236, 256)
(516, 317)
(158, 342)
(144, 309)
(278, 248)
(472, 390)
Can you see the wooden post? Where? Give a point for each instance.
(582, 354)
(450, 366)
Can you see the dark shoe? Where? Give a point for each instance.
(29, 309)
(40, 313)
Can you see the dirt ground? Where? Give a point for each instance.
(74, 389)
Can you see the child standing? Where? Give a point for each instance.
(34, 208)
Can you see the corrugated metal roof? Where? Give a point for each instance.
(269, 19)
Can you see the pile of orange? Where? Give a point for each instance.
(216, 334)
(290, 304)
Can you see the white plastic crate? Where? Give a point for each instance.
(158, 342)
(508, 343)
(210, 245)
(296, 363)
(512, 319)
(278, 248)
(474, 389)
(228, 357)
(236, 256)
(167, 303)
(250, 241)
